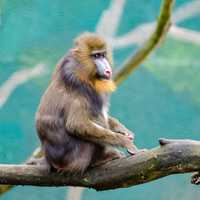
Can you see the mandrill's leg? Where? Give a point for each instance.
(106, 154)
(69, 154)
(116, 126)
(41, 162)
(85, 127)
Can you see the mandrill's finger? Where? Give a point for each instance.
(132, 149)
(137, 151)
(129, 135)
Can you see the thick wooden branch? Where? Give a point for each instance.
(36, 154)
(172, 157)
(162, 26)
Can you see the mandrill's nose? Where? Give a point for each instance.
(108, 73)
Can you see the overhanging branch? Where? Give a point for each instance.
(172, 157)
(162, 26)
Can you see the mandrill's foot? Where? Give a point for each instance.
(196, 179)
(40, 162)
(108, 156)
(136, 152)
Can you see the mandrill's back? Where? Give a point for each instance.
(62, 150)
(52, 103)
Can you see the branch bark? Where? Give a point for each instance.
(36, 154)
(172, 157)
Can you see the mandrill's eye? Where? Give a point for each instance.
(98, 55)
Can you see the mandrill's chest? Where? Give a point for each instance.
(99, 107)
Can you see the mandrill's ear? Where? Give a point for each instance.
(74, 51)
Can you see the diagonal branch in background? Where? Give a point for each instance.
(134, 61)
(172, 157)
(18, 78)
(112, 15)
(161, 29)
(139, 34)
(186, 11)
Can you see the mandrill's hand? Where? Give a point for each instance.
(128, 144)
(131, 148)
(130, 135)
(124, 131)
(116, 126)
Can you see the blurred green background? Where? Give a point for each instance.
(161, 99)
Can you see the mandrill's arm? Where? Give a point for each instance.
(116, 126)
(81, 124)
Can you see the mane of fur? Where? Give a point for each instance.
(104, 86)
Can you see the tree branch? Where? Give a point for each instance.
(135, 60)
(36, 154)
(172, 157)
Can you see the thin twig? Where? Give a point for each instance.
(157, 36)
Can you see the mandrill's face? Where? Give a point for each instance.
(102, 65)
(92, 53)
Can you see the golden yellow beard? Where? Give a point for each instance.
(107, 86)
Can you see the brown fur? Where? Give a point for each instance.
(70, 121)
(84, 45)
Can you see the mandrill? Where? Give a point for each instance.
(72, 120)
